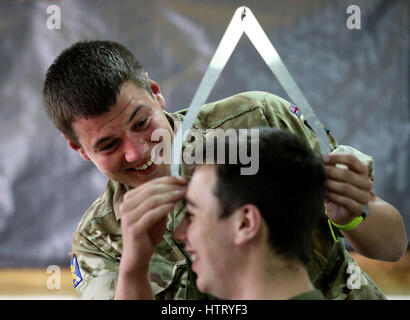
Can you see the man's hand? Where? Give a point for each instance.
(144, 213)
(382, 235)
(348, 189)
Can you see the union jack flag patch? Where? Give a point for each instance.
(295, 110)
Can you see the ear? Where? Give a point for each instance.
(156, 92)
(76, 148)
(248, 225)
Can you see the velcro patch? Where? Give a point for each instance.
(75, 272)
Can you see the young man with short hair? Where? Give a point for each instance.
(242, 246)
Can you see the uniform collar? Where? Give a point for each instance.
(119, 191)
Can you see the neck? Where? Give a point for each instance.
(279, 281)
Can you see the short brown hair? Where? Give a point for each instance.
(85, 79)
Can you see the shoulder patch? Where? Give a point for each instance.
(295, 110)
(75, 272)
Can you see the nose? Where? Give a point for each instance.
(134, 151)
(179, 233)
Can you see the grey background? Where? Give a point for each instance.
(357, 81)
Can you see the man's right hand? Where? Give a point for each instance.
(144, 213)
(143, 219)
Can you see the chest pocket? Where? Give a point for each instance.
(166, 269)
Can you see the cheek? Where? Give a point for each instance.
(209, 242)
(108, 164)
(222, 238)
(196, 236)
(193, 233)
(159, 121)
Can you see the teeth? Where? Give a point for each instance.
(193, 257)
(146, 165)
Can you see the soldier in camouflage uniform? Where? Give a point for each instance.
(107, 108)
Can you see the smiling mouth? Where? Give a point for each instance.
(145, 166)
(192, 255)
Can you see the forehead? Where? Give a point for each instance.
(130, 91)
(129, 98)
(201, 186)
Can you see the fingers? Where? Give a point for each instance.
(354, 207)
(348, 188)
(150, 218)
(152, 191)
(352, 162)
(169, 197)
(350, 191)
(356, 175)
(154, 195)
(350, 177)
(155, 185)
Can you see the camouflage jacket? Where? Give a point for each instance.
(97, 244)
(310, 295)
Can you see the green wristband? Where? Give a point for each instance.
(349, 226)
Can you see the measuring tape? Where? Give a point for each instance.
(244, 21)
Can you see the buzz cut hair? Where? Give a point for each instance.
(85, 79)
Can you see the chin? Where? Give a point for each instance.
(200, 287)
(211, 291)
(203, 286)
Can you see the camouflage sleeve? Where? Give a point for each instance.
(281, 114)
(94, 272)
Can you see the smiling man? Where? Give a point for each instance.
(101, 99)
(231, 227)
(136, 116)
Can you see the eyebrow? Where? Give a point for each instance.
(95, 146)
(99, 141)
(191, 203)
(137, 108)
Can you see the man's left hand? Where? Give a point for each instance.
(348, 188)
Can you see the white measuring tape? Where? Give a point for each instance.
(244, 21)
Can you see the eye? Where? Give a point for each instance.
(109, 146)
(140, 124)
(189, 216)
